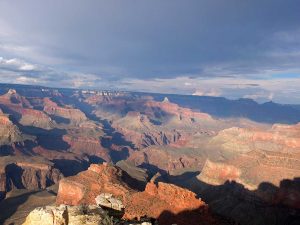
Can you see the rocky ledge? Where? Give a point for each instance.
(75, 215)
(166, 203)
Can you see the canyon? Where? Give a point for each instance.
(157, 153)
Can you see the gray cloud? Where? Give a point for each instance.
(278, 89)
(121, 41)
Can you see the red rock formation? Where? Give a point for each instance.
(4, 120)
(166, 158)
(52, 108)
(218, 173)
(84, 187)
(12, 97)
(280, 138)
(252, 171)
(19, 106)
(21, 173)
(174, 109)
(9, 133)
(31, 117)
(168, 203)
(84, 139)
(150, 122)
(138, 129)
(88, 146)
(37, 175)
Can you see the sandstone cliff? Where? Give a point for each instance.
(74, 115)
(9, 133)
(22, 173)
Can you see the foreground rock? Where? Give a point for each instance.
(87, 185)
(169, 204)
(63, 215)
(107, 200)
(165, 202)
(74, 215)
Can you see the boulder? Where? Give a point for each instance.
(107, 200)
(66, 215)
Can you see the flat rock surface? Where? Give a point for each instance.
(19, 203)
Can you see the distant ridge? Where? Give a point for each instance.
(268, 112)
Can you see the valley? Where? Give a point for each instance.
(148, 150)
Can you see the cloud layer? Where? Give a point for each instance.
(151, 45)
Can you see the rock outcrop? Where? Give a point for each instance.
(22, 110)
(73, 114)
(138, 129)
(174, 109)
(169, 204)
(35, 118)
(21, 173)
(218, 173)
(107, 200)
(245, 183)
(85, 139)
(254, 175)
(12, 97)
(9, 133)
(66, 215)
(76, 215)
(166, 159)
(165, 202)
(145, 122)
(84, 187)
(280, 138)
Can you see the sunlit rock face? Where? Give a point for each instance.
(85, 186)
(168, 203)
(78, 215)
(22, 110)
(279, 138)
(9, 132)
(66, 215)
(160, 201)
(74, 115)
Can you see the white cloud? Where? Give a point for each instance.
(16, 64)
(261, 95)
(211, 92)
(83, 80)
(262, 90)
(26, 80)
(19, 71)
(285, 90)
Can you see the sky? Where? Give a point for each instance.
(231, 48)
